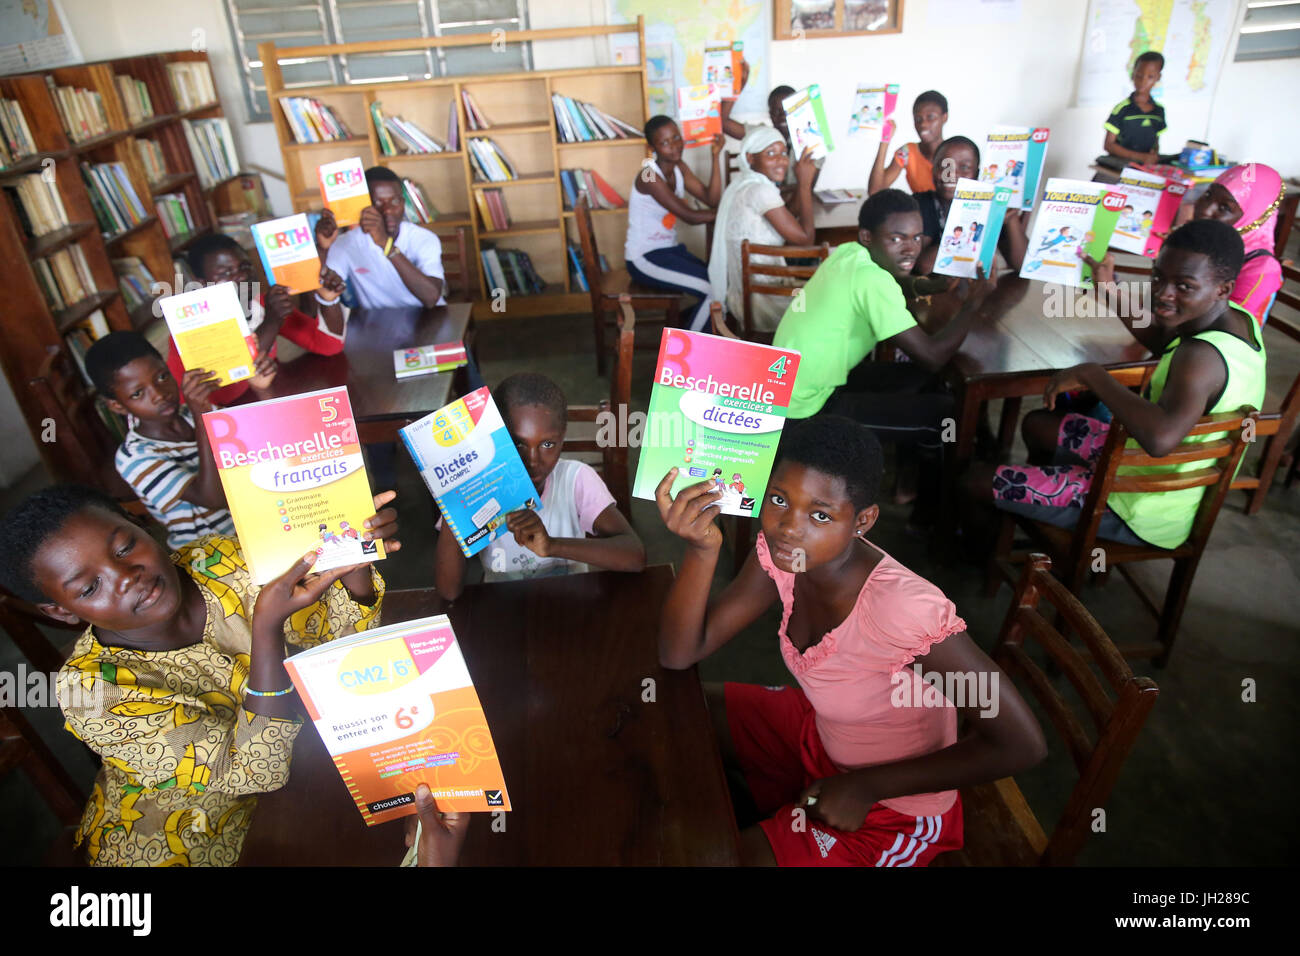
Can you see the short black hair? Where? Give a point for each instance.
(381, 174)
(881, 205)
(931, 96)
(654, 124)
(1150, 56)
(30, 523)
(530, 388)
(780, 93)
(952, 141)
(111, 353)
(838, 447)
(210, 245)
(1216, 240)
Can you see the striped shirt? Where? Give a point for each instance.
(159, 472)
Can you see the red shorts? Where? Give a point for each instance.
(775, 736)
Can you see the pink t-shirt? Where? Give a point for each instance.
(848, 675)
(1256, 286)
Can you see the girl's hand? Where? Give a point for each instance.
(887, 131)
(372, 224)
(805, 169)
(529, 532)
(688, 515)
(744, 75)
(197, 385)
(331, 284)
(838, 802)
(264, 370)
(1103, 273)
(441, 834)
(716, 145)
(1066, 380)
(382, 525)
(327, 230)
(278, 305)
(292, 591)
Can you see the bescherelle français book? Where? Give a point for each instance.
(1150, 204)
(295, 481)
(1013, 157)
(717, 407)
(343, 187)
(970, 234)
(1073, 217)
(396, 707)
(287, 249)
(469, 461)
(211, 331)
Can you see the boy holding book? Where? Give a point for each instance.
(1134, 126)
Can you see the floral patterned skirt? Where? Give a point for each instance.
(1058, 486)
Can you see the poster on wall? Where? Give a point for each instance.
(34, 35)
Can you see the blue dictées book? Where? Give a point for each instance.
(468, 459)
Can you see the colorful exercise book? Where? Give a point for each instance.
(211, 331)
(295, 481)
(717, 407)
(469, 461)
(1150, 204)
(1073, 217)
(427, 359)
(970, 234)
(1013, 156)
(699, 113)
(872, 107)
(805, 117)
(343, 187)
(287, 249)
(722, 67)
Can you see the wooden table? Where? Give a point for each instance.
(597, 776)
(380, 402)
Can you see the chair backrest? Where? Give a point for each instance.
(456, 265)
(750, 269)
(610, 412)
(730, 166)
(718, 321)
(1114, 701)
(20, 621)
(590, 253)
(22, 748)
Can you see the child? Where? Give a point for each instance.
(1247, 198)
(1134, 126)
(165, 457)
(390, 262)
(219, 258)
(579, 524)
(178, 681)
(929, 113)
(654, 256)
(1211, 360)
(875, 767)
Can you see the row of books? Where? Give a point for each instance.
(64, 277)
(151, 157)
(134, 280)
(39, 205)
(576, 272)
(135, 98)
(579, 122)
(213, 149)
(418, 207)
(492, 208)
(600, 194)
(15, 136)
(192, 84)
(489, 162)
(397, 135)
(112, 197)
(174, 213)
(512, 270)
(80, 338)
(311, 121)
(80, 110)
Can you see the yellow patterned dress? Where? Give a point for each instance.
(183, 759)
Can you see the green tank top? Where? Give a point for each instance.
(1165, 519)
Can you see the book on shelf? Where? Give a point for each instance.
(418, 209)
(211, 332)
(287, 249)
(600, 194)
(1075, 217)
(453, 128)
(112, 197)
(577, 274)
(174, 213)
(151, 157)
(489, 161)
(580, 122)
(492, 209)
(80, 110)
(16, 140)
(38, 204)
(343, 189)
(134, 280)
(427, 359)
(396, 707)
(191, 82)
(213, 149)
(79, 339)
(699, 113)
(135, 97)
(64, 277)
(473, 115)
(511, 270)
(311, 121)
(397, 136)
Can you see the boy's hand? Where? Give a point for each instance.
(264, 370)
(373, 225)
(327, 230)
(805, 169)
(197, 386)
(1066, 380)
(983, 285)
(331, 284)
(278, 305)
(441, 834)
(887, 131)
(292, 591)
(688, 515)
(1151, 158)
(838, 802)
(529, 532)
(382, 525)
(716, 145)
(1103, 273)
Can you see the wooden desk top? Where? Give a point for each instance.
(596, 775)
(365, 365)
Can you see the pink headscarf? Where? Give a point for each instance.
(1258, 190)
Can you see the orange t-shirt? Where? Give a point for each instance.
(920, 176)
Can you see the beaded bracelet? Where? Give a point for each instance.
(269, 693)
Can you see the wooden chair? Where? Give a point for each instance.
(1072, 549)
(456, 265)
(23, 622)
(606, 287)
(1000, 827)
(21, 748)
(612, 463)
(749, 270)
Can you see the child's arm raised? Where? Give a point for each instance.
(729, 126)
(449, 565)
(932, 352)
(1005, 739)
(615, 547)
(884, 170)
(1136, 319)
(711, 194)
(205, 488)
(800, 231)
(692, 627)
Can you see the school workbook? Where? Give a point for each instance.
(970, 234)
(211, 331)
(805, 117)
(722, 67)
(1013, 157)
(717, 407)
(1073, 217)
(343, 187)
(427, 359)
(396, 707)
(1150, 204)
(469, 461)
(872, 106)
(699, 113)
(287, 249)
(295, 481)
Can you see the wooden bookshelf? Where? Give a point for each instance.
(518, 105)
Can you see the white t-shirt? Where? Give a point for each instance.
(649, 225)
(354, 256)
(747, 221)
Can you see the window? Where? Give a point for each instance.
(1270, 31)
(316, 22)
